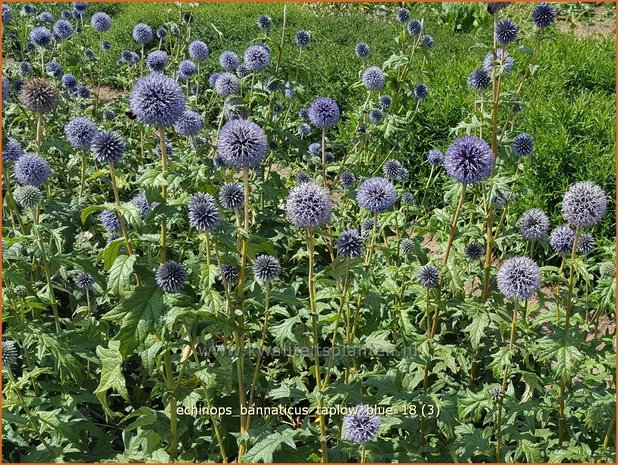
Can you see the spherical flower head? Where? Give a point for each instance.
(53, 68)
(212, 79)
(256, 58)
(228, 275)
(29, 10)
(10, 353)
(373, 78)
(227, 84)
(385, 102)
(368, 226)
(496, 393)
(31, 170)
(198, 50)
(407, 198)
(6, 91)
(46, 17)
(421, 91)
(264, 22)
(80, 6)
(584, 204)
(350, 244)
(242, 144)
(435, 157)
(108, 147)
(203, 212)
(304, 129)
(392, 169)
(7, 14)
(585, 244)
(158, 100)
(427, 41)
(79, 132)
(361, 50)
(266, 268)
(242, 71)
(469, 160)
(428, 276)
(607, 269)
(17, 85)
(519, 278)
(12, 150)
(83, 281)
(233, 109)
(171, 277)
(522, 145)
(309, 206)
(109, 220)
(361, 426)
(302, 38)
(376, 115)
(402, 15)
(506, 31)
(106, 45)
(544, 15)
(187, 67)
(83, 92)
(25, 69)
(376, 195)
(474, 251)
(324, 113)
(414, 27)
(157, 61)
(66, 14)
(39, 95)
(347, 179)
(479, 80)
(141, 202)
(41, 36)
(303, 113)
(142, 34)
(534, 224)
(109, 115)
(101, 21)
(229, 61)
(161, 33)
(28, 196)
(89, 54)
(407, 247)
(231, 196)
(502, 59)
(561, 240)
(302, 178)
(494, 7)
(189, 123)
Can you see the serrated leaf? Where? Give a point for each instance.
(111, 375)
(265, 447)
(119, 281)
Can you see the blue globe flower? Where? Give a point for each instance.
(362, 425)
(171, 277)
(585, 244)
(266, 268)
(212, 79)
(373, 78)
(25, 69)
(31, 170)
(474, 251)
(83, 92)
(302, 178)
(361, 50)
(198, 50)
(80, 6)
(522, 145)
(84, 281)
(106, 45)
(187, 67)
(584, 204)
(101, 21)
(544, 15)
(385, 102)
(41, 36)
(242, 144)
(142, 34)
(189, 123)
(108, 147)
(203, 212)
(46, 17)
(402, 15)
(39, 95)
(502, 59)
(315, 148)
(434, 157)
(347, 179)
(506, 31)
(264, 22)
(302, 38)
(376, 195)
(519, 278)
(479, 79)
(141, 202)
(494, 7)
(561, 240)
(256, 58)
(12, 150)
(534, 224)
(229, 61)
(304, 129)
(427, 41)
(324, 113)
(161, 33)
(469, 160)
(421, 91)
(53, 68)
(429, 275)
(80, 131)
(376, 115)
(158, 100)
(157, 61)
(231, 196)
(350, 244)
(414, 27)
(7, 14)
(309, 206)
(227, 84)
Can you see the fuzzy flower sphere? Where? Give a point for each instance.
(46, 17)
(264, 22)
(158, 100)
(474, 251)
(347, 179)
(266, 268)
(79, 132)
(28, 196)
(494, 7)
(83, 281)
(414, 27)
(469, 160)
(41, 36)
(585, 244)
(53, 68)
(506, 31)
(228, 274)
(376, 115)
(428, 276)
(39, 95)
(427, 41)
(109, 220)
(142, 34)
(157, 60)
(502, 60)
(231, 196)
(324, 113)
(108, 147)
(203, 212)
(198, 50)
(302, 38)
(6, 91)
(361, 50)
(376, 195)
(256, 58)
(309, 206)
(227, 84)
(607, 269)
(242, 143)
(189, 123)
(407, 198)
(12, 150)
(534, 224)
(350, 244)
(402, 15)
(421, 91)
(187, 67)
(544, 15)
(361, 426)
(393, 170)
(10, 353)
(141, 202)
(7, 14)
(522, 145)
(584, 204)
(385, 102)
(101, 22)
(407, 247)
(519, 278)
(561, 240)
(171, 277)
(435, 157)
(302, 178)
(373, 78)
(229, 61)
(479, 79)
(32, 170)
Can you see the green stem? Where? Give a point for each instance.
(163, 150)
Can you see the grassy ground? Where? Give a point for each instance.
(570, 102)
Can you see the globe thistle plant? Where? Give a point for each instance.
(361, 426)
(585, 244)
(361, 50)
(198, 50)
(350, 244)
(428, 276)
(376, 195)
(187, 68)
(519, 278)
(101, 22)
(434, 157)
(479, 80)
(324, 113)
(376, 116)
(522, 145)
(229, 61)
(203, 212)
(189, 124)
(256, 58)
(158, 100)
(231, 196)
(264, 23)
(83, 281)
(544, 15)
(347, 179)
(266, 268)
(80, 132)
(302, 177)
(402, 15)
(41, 36)
(607, 269)
(421, 91)
(108, 147)
(308, 206)
(141, 202)
(414, 27)
(302, 39)
(373, 78)
(427, 41)
(28, 196)
(474, 251)
(31, 170)
(469, 160)
(561, 240)
(157, 61)
(502, 59)
(10, 353)
(227, 84)
(171, 277)
(39, 95)
(242, 144)
(506, 31)
(534, 225)
(12, 150)
(407, 247)
(109, 220)
(142, 34)
(584, 204)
